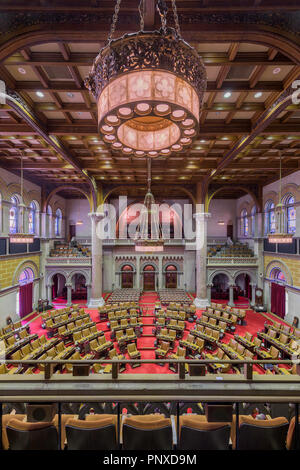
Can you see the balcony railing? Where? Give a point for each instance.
(231, 261)
(130, 242)
(68, 260)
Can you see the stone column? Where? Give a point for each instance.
(201, 300)
(113, 273)
(88, 293)
(231, 302)
(297, 233)
(267, 295)
(160, 272)
(259, 248)
(96, 294)
(49, 293)
(209, 286)
(69, 294)
(21, 218)
(253, 287)
(43, 224)
(138, 275)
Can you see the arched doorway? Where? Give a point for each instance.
(79, 290)
(59, 289)
(171, 277)
(243, 285)
(25, 293)
(149, 277)
(127, 277)
(220, 287)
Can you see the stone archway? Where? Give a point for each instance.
(281, 266)
(220, 284)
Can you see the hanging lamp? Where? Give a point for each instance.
(149, 88)
(148, 237)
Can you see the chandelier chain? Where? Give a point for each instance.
(177, 27)
(141, 12)
(149, 174)
(162, 11)
(114, 20)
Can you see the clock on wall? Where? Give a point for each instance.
(259, 297)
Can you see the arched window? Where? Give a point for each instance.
(58, 218)
(49, 214)
(253, 213)
(32, 218)
(13, 215)
(244, 223)
(26, 276)
(270, 221)
(290, 213)
(277, 274)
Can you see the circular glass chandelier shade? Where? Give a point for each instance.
(149, 89)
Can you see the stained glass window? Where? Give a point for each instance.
(31, 218)
(26, 276)
(13, 215)
(244, 223)
(253, 213)
(58, 217)
(270, 220)
(276, 273)
(290, 214)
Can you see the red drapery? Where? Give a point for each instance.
(25, 299)
(247, 286)
(278, 299)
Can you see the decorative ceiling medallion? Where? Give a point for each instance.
(149, 88)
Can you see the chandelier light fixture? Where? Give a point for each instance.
(21, 236)
(149, 88)
(148, 237)
(280, 235)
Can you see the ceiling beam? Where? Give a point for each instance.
(260, 126)
(212, 128)
(23, 110)
(242, 85)
(67, 57)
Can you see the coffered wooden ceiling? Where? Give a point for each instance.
(244, 80)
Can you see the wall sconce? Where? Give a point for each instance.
(221, 222)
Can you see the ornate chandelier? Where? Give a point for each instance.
(21, 236)
(149, 88)
(280, 235)
(148, 237)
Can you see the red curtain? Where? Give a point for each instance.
(278, 299)
(25, 299)
(247, 287)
